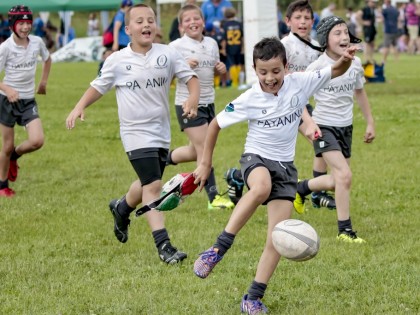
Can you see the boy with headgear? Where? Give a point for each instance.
(18, 58)
(334, 115)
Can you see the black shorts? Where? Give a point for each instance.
(22, 112)
(235, 59)
(369, 33)
(283, 175)
(334, 139)
(205, 115)
(149, 163)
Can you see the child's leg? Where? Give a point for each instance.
(278, 210)
(194, 151)
(35, 138)
(342, 177)
(8, 135)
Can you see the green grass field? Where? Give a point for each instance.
(59, 255)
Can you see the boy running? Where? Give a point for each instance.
(334, 115)
(202, 54)
(18, 57)
(273, 108)
(142, 73)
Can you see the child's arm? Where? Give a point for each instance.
(363, 101)
(202, 172)
(42, 87)
(91, 96)
(342, 64)
(220, 67)
(191, 104)
(308, 127)
(11, 94)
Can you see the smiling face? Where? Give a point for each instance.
(23, 29)
(338, 41)
(300, 22)
(192, 23)
(141, 28)
(270, 74)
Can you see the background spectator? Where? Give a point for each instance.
(328, 11)
(367, 18)
(121, 39)
(412, 13)
(93, 25)
(390, 18)
(213, 10)
(4, 28)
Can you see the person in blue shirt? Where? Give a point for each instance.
(121, 39)
(391, 34)
(213, 10)
(4, 28)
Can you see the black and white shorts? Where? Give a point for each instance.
(334, 139)
(21, 112)
(205, 115)
(149, 163)
(283, 175)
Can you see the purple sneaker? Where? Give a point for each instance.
(206, 262)
(252, 307)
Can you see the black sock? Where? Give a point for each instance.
(303, 188)
(210, 187)
(169, 159)
(4, 184)
(160, 236)
(124, 209)
(317, 174)
(14, 155)
(344, 225)
(224, 242)
(256, 290)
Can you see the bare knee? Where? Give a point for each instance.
(260, 192)
(343, 178)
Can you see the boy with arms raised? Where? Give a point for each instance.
(18, 57)
(334, 115)
(273, 108)
(142, 73)
(202, 54)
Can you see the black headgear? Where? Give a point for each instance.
(325, 26)
(19, 13)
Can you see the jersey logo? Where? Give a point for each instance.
(229, 108)
(294, 102)
(161, 62)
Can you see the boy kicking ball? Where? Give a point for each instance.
(273, 108)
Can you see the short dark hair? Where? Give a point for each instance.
(299, 5)
(269, 48)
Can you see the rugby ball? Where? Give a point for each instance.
(295, 240)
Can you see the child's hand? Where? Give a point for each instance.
(11, 94)
(42, 88)
(313, 132)
(201, 174)
(369, 134)
(193, 63)
(220, 67)
(71, 118)
(190, 110)
(350, 52)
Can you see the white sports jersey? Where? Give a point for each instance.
(334, 103)
(142, 84)
(207, 54)
(19, 64)
(299, 55)
(273, 121)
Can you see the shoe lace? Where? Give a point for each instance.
(210, 256)
(255, 306)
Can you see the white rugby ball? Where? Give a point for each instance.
(295, 240)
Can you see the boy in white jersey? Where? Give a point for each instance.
(18, 57)
(202, 54)
(301, 51)
(142, 73)
(334, 115)
(273, 108)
